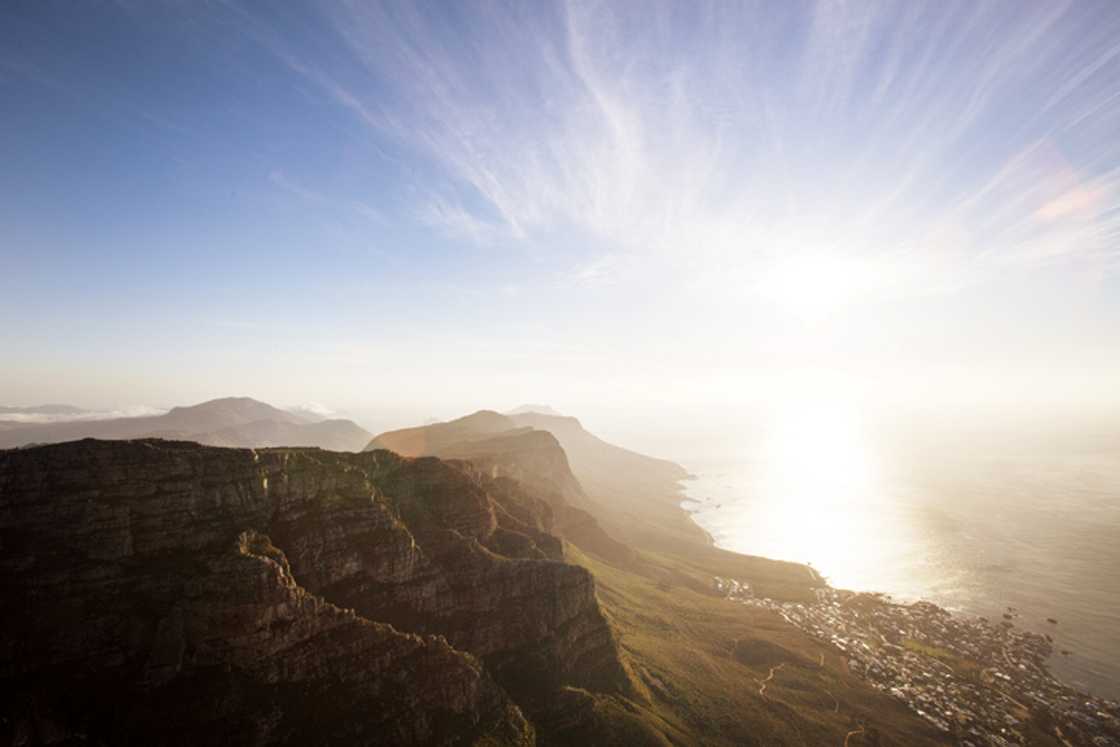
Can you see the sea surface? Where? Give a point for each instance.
(976, 514)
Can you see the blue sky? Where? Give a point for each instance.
(455, 205)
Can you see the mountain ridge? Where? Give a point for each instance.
(256, 571)
(656, 572)
(535, 457)
(228, 421)
(496, 596)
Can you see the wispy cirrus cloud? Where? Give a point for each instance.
(600, 271)
(456, 221)
(286, 183)
(940, 143)
(282, 181)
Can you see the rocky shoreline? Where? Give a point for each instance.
(983, 682)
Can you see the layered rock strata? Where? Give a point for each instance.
(166, 592)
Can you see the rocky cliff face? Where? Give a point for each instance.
(426, 440)
(531, 457)
(168, 592)
(600, 464)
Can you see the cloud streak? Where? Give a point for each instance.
(942, 143)
(284, 182)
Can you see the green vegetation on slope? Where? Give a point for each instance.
(700, 662)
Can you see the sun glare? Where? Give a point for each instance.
(843, 464)
(819, 494)
(813, 286)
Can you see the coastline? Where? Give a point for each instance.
(980, 681)
(681, 497)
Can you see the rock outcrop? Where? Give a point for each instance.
(601, 467)
(167, 592)
(532, 457)
(430, 439)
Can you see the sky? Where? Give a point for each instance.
(438, 207)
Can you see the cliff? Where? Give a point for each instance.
(601, 465)
(532, 457)
(429, 439)
(166, 592)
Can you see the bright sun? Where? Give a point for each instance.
(812, 287)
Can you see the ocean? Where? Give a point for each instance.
(977, 514)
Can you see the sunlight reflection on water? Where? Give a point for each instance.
(974, 524)
(817, 495)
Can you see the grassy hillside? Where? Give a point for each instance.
(699, 662)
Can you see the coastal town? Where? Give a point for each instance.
(983, 682)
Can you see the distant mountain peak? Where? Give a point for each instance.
(228, 421)
(539, 409)
(240, 409)
(225, 402)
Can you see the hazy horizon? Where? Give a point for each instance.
(831, 286)
(437, 209)
(697, 435)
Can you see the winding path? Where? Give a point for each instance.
(762, 683)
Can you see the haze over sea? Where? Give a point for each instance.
(976, 512)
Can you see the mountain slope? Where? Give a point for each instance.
(628, 502)
(592, 459)
(619, 490)
(597, 462)
(284, 596)
(333, 435)
(533, 457)
(429, 439)
(536, 459)
(232, 421)
(167, 592)
(681, 641)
